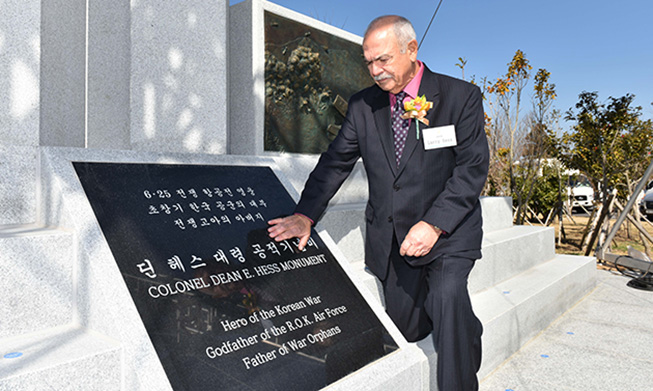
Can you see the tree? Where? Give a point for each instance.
(508, 92)
(538, 144)
(461, 64)
(545, 195)
(503, 102)
(596, 146)
(610, 144)
(636, 145)
(498, 183)
(518, 144)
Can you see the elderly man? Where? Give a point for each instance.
(425, 173)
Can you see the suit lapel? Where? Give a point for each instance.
(382, 114)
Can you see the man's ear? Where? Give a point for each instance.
(412, 49)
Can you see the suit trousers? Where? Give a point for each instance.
(434, 299)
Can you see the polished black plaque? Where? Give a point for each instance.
(227, 308)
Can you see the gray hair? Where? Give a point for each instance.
(402, 27)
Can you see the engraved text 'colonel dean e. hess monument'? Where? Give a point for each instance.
(225, 306)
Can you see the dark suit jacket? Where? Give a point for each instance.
(440, 186)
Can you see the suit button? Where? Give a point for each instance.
(396, 187)
(389, 219)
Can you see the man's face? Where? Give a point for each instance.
(391, 69)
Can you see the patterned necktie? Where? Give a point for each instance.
(399, 126)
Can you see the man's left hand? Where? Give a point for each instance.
(420, 240)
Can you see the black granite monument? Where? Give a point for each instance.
(226, 307)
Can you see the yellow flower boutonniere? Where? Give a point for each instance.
(417, 108)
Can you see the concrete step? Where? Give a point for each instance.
(346, 223)
(18, 175)
(516, 310)
(510, 251)
(37, 275)
(62, 358)
(506, 253)
(497, 213)
(346, 226)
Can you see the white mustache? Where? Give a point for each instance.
(382, 76)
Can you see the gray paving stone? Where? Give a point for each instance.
(608, 350)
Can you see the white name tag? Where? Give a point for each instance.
(439, 137)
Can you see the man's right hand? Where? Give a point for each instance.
(295, 226)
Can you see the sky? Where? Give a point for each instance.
(586, 45)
